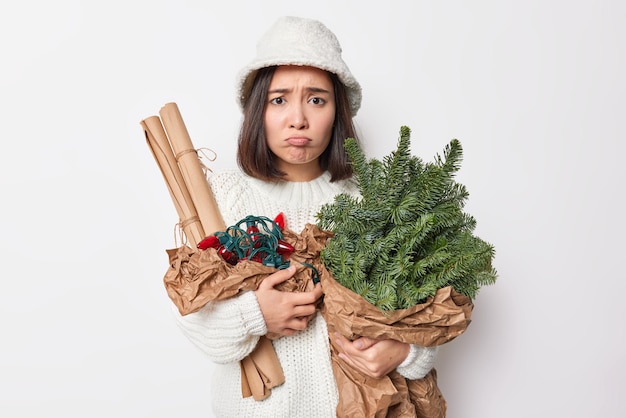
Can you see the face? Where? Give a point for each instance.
(299, 119)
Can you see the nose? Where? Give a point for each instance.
(297, 117)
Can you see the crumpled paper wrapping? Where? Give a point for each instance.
(196, 277)
(435, 322)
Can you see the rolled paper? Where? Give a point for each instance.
(161, 149)
(191, 169)
(199, 215)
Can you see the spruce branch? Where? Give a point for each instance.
(407, 235)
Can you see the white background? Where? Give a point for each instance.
(534, 90)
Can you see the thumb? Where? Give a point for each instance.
(363, 343)
(278, 277)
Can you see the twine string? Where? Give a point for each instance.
(202, 154)
(179, 230)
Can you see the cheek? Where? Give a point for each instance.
(328, 122)
(270, 124)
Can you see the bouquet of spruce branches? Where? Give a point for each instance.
(400, 262)
(407, 235)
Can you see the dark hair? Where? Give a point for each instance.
(254, 156)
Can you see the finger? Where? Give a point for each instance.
(355, 359)
(318, 291)
(304, 310)
(288, 332)
(278, 277)
(345, 347)
(346, 358)
(352, 349)
(361, 366)
(342, 341)
(352, 359)
(363, 343)
(299, 323)
(308, 298)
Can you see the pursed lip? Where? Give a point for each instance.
(297, 140)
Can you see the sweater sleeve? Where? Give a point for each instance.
(226, 331)
(418, 363)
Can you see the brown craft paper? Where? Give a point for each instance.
(191, 169)
(199, 216)
(437, 321)
(392, 395)
(198, 277)
(257, 379)
(161, 149)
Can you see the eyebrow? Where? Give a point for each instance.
(308, 89)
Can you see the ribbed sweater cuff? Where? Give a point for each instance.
(418, 363)
(251, 314)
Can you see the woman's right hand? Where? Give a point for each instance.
(286, 313)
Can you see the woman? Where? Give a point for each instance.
(298, 99)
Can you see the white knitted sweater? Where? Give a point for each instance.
(227, 331)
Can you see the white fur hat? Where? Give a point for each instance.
(299, 41)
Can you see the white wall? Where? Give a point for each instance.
(534, 90)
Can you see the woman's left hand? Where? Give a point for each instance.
(372, 357)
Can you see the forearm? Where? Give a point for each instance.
(418, 363)
(226, 331)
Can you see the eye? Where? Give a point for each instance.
(317, 101)
(277, 100)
